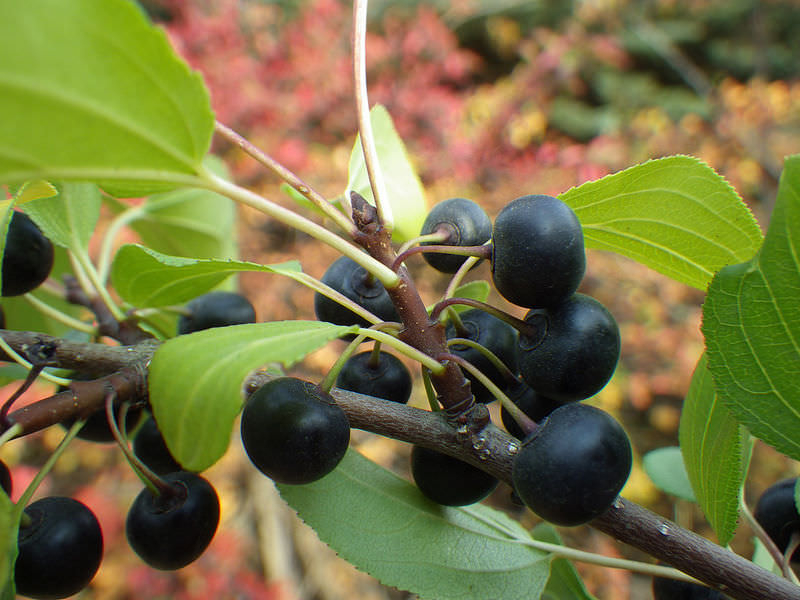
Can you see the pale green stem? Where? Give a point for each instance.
(458, 276)
(333, 372)
(431, 237)
(99, 286)
(48, 466)
(338, 297)
(19, 360)
(376, 180)
(80, 275)
(406, 349)
(10, 433)
(384, 274)
(498, 364)
(762, 535)
(429, 391)
(107, 247)
(59, 316)
(293, 180)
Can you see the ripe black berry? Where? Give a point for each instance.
(5, 478)
(383, 376)
(466, 223)
(28, 257)
(60, 548)
(149, 446)
(538, 258)
(294, 432)
(216, 309)
(574, 351)
(534, 405)
(447, 480)
(573, 466)
(493, 334)
(672, 589)
(353, 281)
(777, 513)
(170, 531)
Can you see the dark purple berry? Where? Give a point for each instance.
(534, 405)
(216, 309)
(28, 256)
(776, 512)
(294, 432)
(573, 466)
(149, 446)
(574, 350)
(447, 480)
(171, 531)
(466, 224)
(538, 259)
(60, 548)
(383, 376)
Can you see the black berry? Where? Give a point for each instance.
(294, 432)
(776, 512)
(466, 224)
(28, 257)
(353, 281)
(216, 309)
(493, 334)
(60, 548)
(534, 405)
(383, 376)
(574, 351)
(447, 480)
(149, 446)
(538, 258)
(573, 466)
(171, 531)
(673, 589)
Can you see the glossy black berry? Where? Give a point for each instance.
(60, 548)
(294, 432)
(149, 446)
(538, 258)
(493, 334)
(672, 589)
(534, 405)
(573, 466)
(5, 478)
(216, 309)
(171, 531)
(574, 349)
(383, 376)
(28, 257)
(466, 224)
(776, 512)
(447, 480)
(353, 281)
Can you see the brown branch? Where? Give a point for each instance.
(489, 449)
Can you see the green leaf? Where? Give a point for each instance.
(9, 524)
(751, 323)
(195, 380)
(189, 222)
(564, 582)
(146, 278)
(674, 214)
(68, 219)
(714, 452)
(411, 543)
(665, 467)
(403, 187)
(101, 99)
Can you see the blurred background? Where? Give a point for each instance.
(494, 99)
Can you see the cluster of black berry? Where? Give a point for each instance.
(169, 524)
